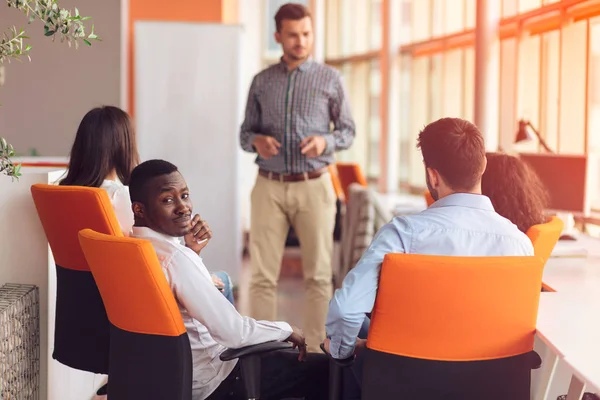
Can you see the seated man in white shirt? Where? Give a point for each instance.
(462, 222)
(163, 212)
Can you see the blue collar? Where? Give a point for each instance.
(465, 200)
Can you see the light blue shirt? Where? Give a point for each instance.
(457, 225)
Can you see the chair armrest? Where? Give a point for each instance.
(231, 354)
(536, 360)
(345, 362)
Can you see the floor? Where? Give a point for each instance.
(291, 288)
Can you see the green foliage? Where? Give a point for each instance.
(6, 165)
(58, 22)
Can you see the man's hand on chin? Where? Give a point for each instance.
(199, 235)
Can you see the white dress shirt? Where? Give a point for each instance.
(121, 202)
(212, 322)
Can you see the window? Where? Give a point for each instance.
(549, 74)
(572, 89)
(373, 167)
(356, 54)
(528, 87)
(594, 115)
(550, 91)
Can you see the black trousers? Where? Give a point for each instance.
(282, 377)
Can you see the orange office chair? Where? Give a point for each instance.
(428, 198)
(349, 173)
(453, 328)
(81, 332)
(545, 236)
(150, 355)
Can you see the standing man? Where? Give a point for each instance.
(291, 107)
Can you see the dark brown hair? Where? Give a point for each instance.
(515, 190)
(293, 11)
(105, 141)
(454, 147)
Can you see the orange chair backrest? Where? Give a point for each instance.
(132, 284)
(349, 173)
(456, 308)
(545, 236)
(428, 198)
(64, 211)
(335, 181)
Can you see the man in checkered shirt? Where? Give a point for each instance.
(297, 117)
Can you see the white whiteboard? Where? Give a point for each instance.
(187, 111)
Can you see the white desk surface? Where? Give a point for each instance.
(569, 323)
(575, 274)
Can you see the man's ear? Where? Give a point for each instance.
(434, 177)
(484, 165)
(277, 36)
(138, 210)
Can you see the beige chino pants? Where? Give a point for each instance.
(309, 207)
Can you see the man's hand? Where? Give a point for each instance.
(218, 282)
(360, 345)
(199, 235)
(297, 340)
(327, 344)
(266, 146)
(313, 146)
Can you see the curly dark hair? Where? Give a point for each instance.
(515, 190)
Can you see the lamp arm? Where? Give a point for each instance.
(542, 141)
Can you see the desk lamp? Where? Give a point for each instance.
(523, 134)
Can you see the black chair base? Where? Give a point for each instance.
(388, 376)
(250, 358)
(149, 367)
(336, 374)
(81, 327)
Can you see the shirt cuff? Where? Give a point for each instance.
(286, 330)
(339, 350)
(249, 147)
(330, 144)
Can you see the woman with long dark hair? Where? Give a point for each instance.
(515, 190)
(103, 155)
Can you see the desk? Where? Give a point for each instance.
(574, 274)
(568, 324)
(26, 259)
(568, 319)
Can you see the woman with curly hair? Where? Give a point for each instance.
(515, 190)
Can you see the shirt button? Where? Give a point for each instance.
(237, 378)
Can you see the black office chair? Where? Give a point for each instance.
(250, 358)
(336, 374)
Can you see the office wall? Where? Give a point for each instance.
(157, 10)
(44, 100)
(251, 17)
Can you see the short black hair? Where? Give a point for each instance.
(455, 148)
(143, 174)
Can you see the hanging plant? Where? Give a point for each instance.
(59, 22)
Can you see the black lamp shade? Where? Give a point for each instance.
(522, 134)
